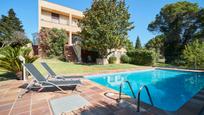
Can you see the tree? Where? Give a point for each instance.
(178, 22)
(8, 25)
(156, 43)
(138, 43)
(194, 54)
(129, 45)
(18, 39)
(105, 26)
(200, 21)
(52, 41)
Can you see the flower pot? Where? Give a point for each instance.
(19, 75)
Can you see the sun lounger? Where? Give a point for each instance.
(52, 74)
(40, 81)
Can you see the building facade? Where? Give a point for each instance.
(51, 15)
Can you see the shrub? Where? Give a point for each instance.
(9, 58)
(194, 55)
(112, 60)
(142, 57)
(124, 59)
(62, 58)
(52, 41)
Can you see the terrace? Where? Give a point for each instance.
(38, 102)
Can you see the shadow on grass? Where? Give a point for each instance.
(7, 76)
(86, 64)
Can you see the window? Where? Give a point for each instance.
(55, 17)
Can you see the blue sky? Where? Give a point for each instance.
(142, 13)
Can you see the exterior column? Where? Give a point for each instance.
(39, 15)
(70, 19)
(70, 33)
(70, 38)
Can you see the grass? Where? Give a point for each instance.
(66, 68)
(162, 64)
(70, 68)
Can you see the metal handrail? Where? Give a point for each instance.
(121, 85)
(138, 95)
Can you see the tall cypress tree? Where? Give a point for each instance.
(9, 25)
(138, 43)
(14, 22)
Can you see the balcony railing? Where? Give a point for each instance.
(58, 22)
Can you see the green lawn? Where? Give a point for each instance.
(70, 68)
(162, 64)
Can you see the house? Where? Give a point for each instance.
(51, 15)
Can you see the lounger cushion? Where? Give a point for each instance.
(67, 104)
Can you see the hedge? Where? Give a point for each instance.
(124, 59)
(112, 60)
(142, 57)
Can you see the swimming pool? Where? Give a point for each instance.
(169, 89)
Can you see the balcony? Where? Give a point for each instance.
(53, 23)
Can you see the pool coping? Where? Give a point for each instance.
(178, 69)
(144, 105)
(120, 72)
(187, 108)
(112, 71)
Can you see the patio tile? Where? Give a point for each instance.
(6, 106)
(20, 109)
(41, 111)
(42, 103)
(24, 113)
(5, 101)
(37, 103)
(22, 103)
(4, 112)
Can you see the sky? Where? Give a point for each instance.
(142, 13)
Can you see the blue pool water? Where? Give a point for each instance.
(169, 89)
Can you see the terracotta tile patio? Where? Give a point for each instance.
(37, 103)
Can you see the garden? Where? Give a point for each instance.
(179, 41)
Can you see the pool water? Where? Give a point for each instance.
(169, 89)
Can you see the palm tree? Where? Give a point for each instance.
(9, 59)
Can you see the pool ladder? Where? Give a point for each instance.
(138, 94)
